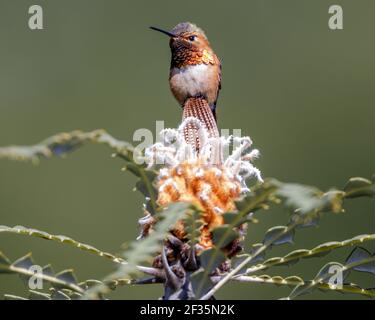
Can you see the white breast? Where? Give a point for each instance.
(190, 81)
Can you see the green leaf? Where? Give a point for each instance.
(231, 218)
(279, 235)
(277, 280)
(318, 251)
(210, 259)
(4, 263)
(58, 238)
(253, 251)
(36, 295)
(302, 289)
(223, 235)
(193, 222)
(359, 260)
(25, 262)
(255, 200)
(47, 270)
(361, 254)
(13, 297)
(59, 295)
(200, 283)
(67, 276)
(143, 250)
(145, 185)
(22, 267)
(63, 143)
(359, 187)
(236, 260)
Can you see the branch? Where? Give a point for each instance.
(319, 250)
(251, 257)
(23, 267)
(296, 281)
(61, 239)
(63, 143)
(76, 244)
(304, 288)
(143, 250)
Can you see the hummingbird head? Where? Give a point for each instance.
(188, 43)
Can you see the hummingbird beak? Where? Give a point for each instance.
(163, 31)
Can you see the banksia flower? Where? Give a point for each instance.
(204, 178)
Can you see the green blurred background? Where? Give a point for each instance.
(304, 93)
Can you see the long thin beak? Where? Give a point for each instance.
(163, 31)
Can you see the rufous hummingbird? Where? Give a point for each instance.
(195, 70)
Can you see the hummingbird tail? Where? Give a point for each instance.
(200, 109)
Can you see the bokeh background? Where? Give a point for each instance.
(304, 93)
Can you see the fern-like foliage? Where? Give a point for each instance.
(306, 206)
(59, 238)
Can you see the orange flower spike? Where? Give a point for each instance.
(190, 177)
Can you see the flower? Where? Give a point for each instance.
(206, 178)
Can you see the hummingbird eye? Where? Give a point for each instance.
(192, 38)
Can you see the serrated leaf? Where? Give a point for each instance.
(256, 199)
(25, 262)
(318, 251)
(59, 295)
(279, 235)
(329, 270)
(48, 270)
(58, 238)
(22, 267)
(36, 295)
(143, 250)
(302, 289)
(62, 143)
(67, 276)
(294, 279)
(146, 186)
(13, 297)
(278, 261)
(360, 254)
(193, 223)
(305, 221)
(325, 248)
(296, 254)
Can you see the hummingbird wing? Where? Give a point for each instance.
(213, 106)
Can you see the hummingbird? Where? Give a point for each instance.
(195, 73)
